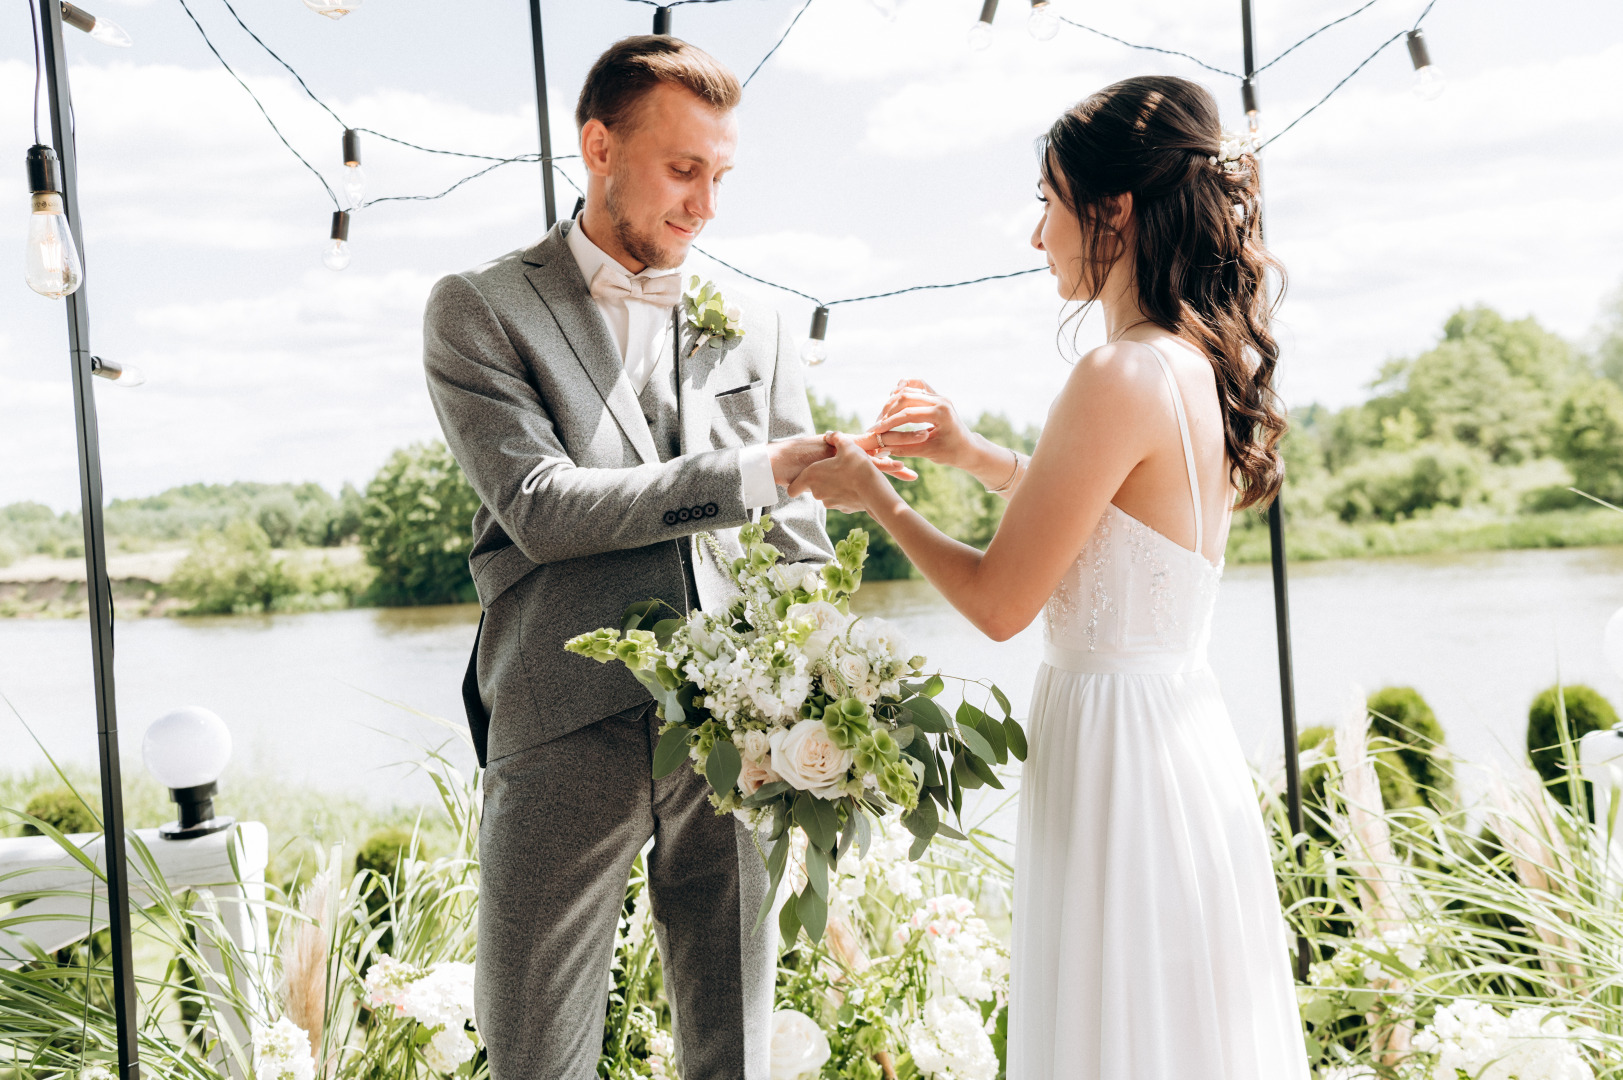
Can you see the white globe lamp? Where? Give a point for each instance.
(186, 751)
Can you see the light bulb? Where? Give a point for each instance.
(186, 748)
(115, 371)
(1253, 121)
(1429, 83)
(354, 183)
(110, 33)
(813, 352)
(1043, 23)
(335, 256)
(51, 260)
(980, 36)
(333, 9)
(1612, 643)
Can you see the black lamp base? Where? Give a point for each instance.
(196, 805)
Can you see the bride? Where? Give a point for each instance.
(1148, 938)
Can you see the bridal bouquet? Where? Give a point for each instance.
(802, 715)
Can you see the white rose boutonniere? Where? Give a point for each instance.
(709, 313)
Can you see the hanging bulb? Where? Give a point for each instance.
(354, 175)
(1043, 23)
(1248, 98)
(815, 350)
(115, 372)
(1428, 81)
(886, 9)
(980, 35)
(335, 256)
(50, 257)
(103, 30)
(333, 9)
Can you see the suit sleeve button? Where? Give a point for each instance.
(711, 510)
(670, 517)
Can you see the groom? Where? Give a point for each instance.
(601, 436)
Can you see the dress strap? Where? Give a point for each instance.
(1188, 447)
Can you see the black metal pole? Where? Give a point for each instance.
(662, 21)
(1282, 615)
(541, 112)
(98, 590)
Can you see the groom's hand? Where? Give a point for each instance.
(790, 456)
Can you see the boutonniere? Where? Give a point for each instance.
(710, 314)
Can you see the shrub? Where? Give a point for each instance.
(279, 517)
(1392, 485)
(1398, 789)
(232, 572)
(1400, 717)
(384, 848)
(61, 809)
(417, 527)
(1589, 438)
(1586, 711)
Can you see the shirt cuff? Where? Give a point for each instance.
(755, 469)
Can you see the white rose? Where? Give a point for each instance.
(733, 312)
(867, 693)
(852, 669)
(754, 745)
(887, 637)
(799, 1046)
(813, 579)
(816, 646)
(804, 756)
(448, 1049)
(820, 613)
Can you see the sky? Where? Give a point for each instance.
(876, 153)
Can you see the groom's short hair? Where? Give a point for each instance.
(633, 66)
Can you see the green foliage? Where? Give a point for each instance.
(383, 850)
(61, 809)
(416, 527)
(1392, 485)
(1398, 787)
(1400, 718)
(233, 572)
(1589, 438)
(1551, 736)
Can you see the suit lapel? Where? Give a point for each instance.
(693, 400)
(556, 278)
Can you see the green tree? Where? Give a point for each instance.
(417, 527)
(1400, 718)
(1589, 438)
(1389, 486)
(233, 571)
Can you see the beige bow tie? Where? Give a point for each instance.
(611, 281)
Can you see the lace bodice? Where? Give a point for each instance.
(1135, 601)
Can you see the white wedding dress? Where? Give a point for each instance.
(1148, 938)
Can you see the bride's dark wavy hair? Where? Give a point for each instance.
(1196, 241)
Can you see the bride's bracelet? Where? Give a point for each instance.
(1006, 488)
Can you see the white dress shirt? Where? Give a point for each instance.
(642, 333)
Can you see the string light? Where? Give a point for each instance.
(1042, 23)
(103, 30)
(1428, 81)
(980, 35)
(333, 9)
(354, 175)
(815, 350)
(117, 373)
(662, 21)
(50, 257)
(335, 256)
(1248, 98)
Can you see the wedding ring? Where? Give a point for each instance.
(881, 438)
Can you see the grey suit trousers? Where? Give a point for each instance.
(563, 822)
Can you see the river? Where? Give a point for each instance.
(333, 699)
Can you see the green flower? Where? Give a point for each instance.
(598, 645)
(898, 781)
(875, 750)
(638, 650)
(847, 722)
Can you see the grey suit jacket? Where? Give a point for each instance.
(579, 517)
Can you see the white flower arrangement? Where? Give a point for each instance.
(1231, 148)
(799, 1046)
(282, 1052)
(710, 315)
(1473, 1039)
(439, 998)
(950, 1041)
(797, 713)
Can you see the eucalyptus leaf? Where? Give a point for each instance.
(904, 735)
(723, 765)
(1016, 736)
(765, 794)
(920, 843)
(663, 630)
(817, 870)
(848, 834)
(864, 832)
(775, 863)
(1002, 701)
(808, 815)
(671, 750)
(984, 771)
(976, 743)
(922, 821)
(813, 912)
(927, 715)
(966, 777)
(788, 925)
(943, 829)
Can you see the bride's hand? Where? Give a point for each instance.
(851, 480)
(947, 441)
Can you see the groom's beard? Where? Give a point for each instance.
(639, 245)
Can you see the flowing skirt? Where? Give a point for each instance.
(1148, 938)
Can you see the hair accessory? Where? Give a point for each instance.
(1231, 149)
